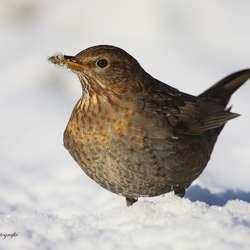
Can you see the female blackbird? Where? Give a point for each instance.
(135, 135)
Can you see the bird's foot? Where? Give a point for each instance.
(130, 201)
(179, 190)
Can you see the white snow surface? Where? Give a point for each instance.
(45, 198)
(165, 223)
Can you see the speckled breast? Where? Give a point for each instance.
(130, 154)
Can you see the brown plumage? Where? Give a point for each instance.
(135, 135)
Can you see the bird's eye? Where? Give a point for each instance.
(102, 63)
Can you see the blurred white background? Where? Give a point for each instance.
(187, 44)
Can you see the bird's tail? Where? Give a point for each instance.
(222, 91)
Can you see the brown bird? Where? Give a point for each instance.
(135, 135)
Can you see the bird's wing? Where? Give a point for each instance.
(186, 114)
(197, 118)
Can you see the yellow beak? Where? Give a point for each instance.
(69, 61)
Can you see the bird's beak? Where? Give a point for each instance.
(69, 61)
(72, 63)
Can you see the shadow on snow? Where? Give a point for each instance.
(197, 193)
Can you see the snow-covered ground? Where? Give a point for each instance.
(45, 198)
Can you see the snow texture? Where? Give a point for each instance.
(47, 202)
(165, 223)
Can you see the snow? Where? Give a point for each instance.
(57, 58)
(45, 197)
(164, 223)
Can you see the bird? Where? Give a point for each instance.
(135, 135)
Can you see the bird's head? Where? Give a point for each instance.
(104, 67)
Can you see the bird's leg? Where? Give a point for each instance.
(130, 201)
(179, 190)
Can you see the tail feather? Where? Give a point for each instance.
(222, 91)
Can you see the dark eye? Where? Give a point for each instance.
(102, 63)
